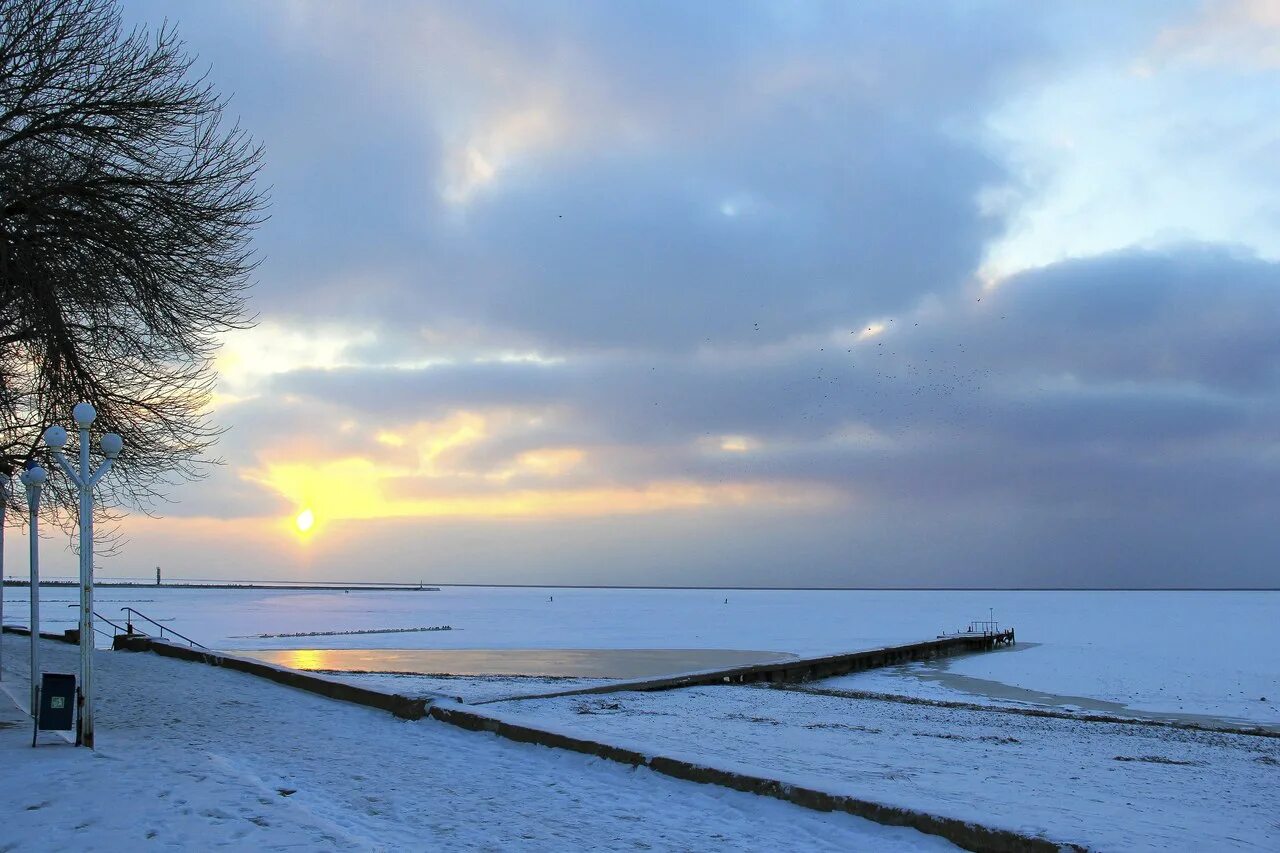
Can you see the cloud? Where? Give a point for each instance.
(813, 293)
(1226, 32)
(1197, 315)
(566, 175)
(1137, 367)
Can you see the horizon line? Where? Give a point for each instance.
(413, 585)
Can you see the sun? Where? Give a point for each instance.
(305, 520)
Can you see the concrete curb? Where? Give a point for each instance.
(71, 635)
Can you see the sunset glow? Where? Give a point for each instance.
(358, 490)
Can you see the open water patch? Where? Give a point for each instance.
(546, 663)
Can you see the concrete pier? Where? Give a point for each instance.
(827, 666)
(801, 669)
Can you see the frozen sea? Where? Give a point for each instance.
(1209, 654)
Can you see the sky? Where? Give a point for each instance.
(750, 294)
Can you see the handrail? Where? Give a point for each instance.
(129, 624)
(98, 615)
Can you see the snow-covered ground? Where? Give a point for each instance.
(1200, 655)
(1222, 700)
(193, 758)
(1175, 652)
(1107, 786)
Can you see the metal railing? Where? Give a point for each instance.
(129, 627)
(97, 615)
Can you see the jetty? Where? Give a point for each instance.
(796, 670)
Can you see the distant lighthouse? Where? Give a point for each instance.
(157, 576)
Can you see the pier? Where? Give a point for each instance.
(827, 666)
(796, 670)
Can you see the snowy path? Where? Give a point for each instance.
(1106, 786)
(192, 757)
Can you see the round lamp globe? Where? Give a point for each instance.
(112, 444)
(56, 437)
(84, 413)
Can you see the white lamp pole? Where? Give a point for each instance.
(85, 479)
(33, 478)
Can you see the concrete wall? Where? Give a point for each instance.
(71, 635)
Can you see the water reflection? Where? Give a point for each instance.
(575, 663)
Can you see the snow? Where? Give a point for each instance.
(193, 757)
(1104, 785)
(1166, 652)
(1174, 655)
(939, 680)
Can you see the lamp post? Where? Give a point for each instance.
(85, 479)
(33, 478)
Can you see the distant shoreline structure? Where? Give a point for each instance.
(399, 586)
(299, 585)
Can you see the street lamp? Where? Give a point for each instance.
(85, 479)
(34, 478)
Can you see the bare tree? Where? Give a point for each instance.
(126, 208)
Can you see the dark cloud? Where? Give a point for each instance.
(1135, 347)
(1199, 315)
